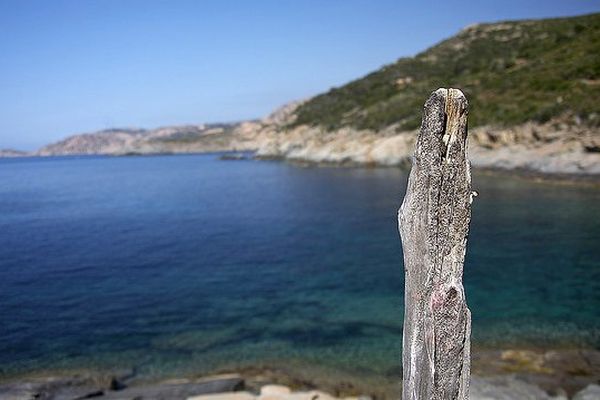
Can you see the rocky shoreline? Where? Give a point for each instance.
(237, 387)
(498, 375)
(560, 149)
(555, 150)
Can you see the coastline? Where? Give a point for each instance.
(554, 151)
(522, 174)
(567, 179)
(550, 372)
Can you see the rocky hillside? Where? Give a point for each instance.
(512, 72)
(533, 89)
(175, 139)
(12, 153)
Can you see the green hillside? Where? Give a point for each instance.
(512, 72)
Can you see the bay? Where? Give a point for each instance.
(188, 264)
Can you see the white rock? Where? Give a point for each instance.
(591, 392)
(505, 388)
(311, 395)
(225, 396)
(276, 390)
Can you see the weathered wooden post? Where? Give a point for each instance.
(434, 224)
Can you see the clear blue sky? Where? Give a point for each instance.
(77, 66)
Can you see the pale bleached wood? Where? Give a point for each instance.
(434, 223)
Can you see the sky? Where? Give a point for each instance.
(69, 67)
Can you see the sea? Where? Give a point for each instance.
(189, 264)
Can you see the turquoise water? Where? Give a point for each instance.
(187, 264)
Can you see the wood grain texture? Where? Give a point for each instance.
(434, 224)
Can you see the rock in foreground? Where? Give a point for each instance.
(233, 387)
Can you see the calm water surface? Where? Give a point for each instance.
(181, 264)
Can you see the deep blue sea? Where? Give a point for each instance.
(186, 264)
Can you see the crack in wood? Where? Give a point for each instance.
(434, 223)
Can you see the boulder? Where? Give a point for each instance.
(182, 389)
(225, 396)
(591, 392)
(506, 388)
(274, 390)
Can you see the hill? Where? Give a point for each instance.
(512, 72)
(12, 153)
(173, 139)
(533, 87)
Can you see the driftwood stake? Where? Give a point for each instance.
(434, 224)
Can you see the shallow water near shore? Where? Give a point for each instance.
(177, 265)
